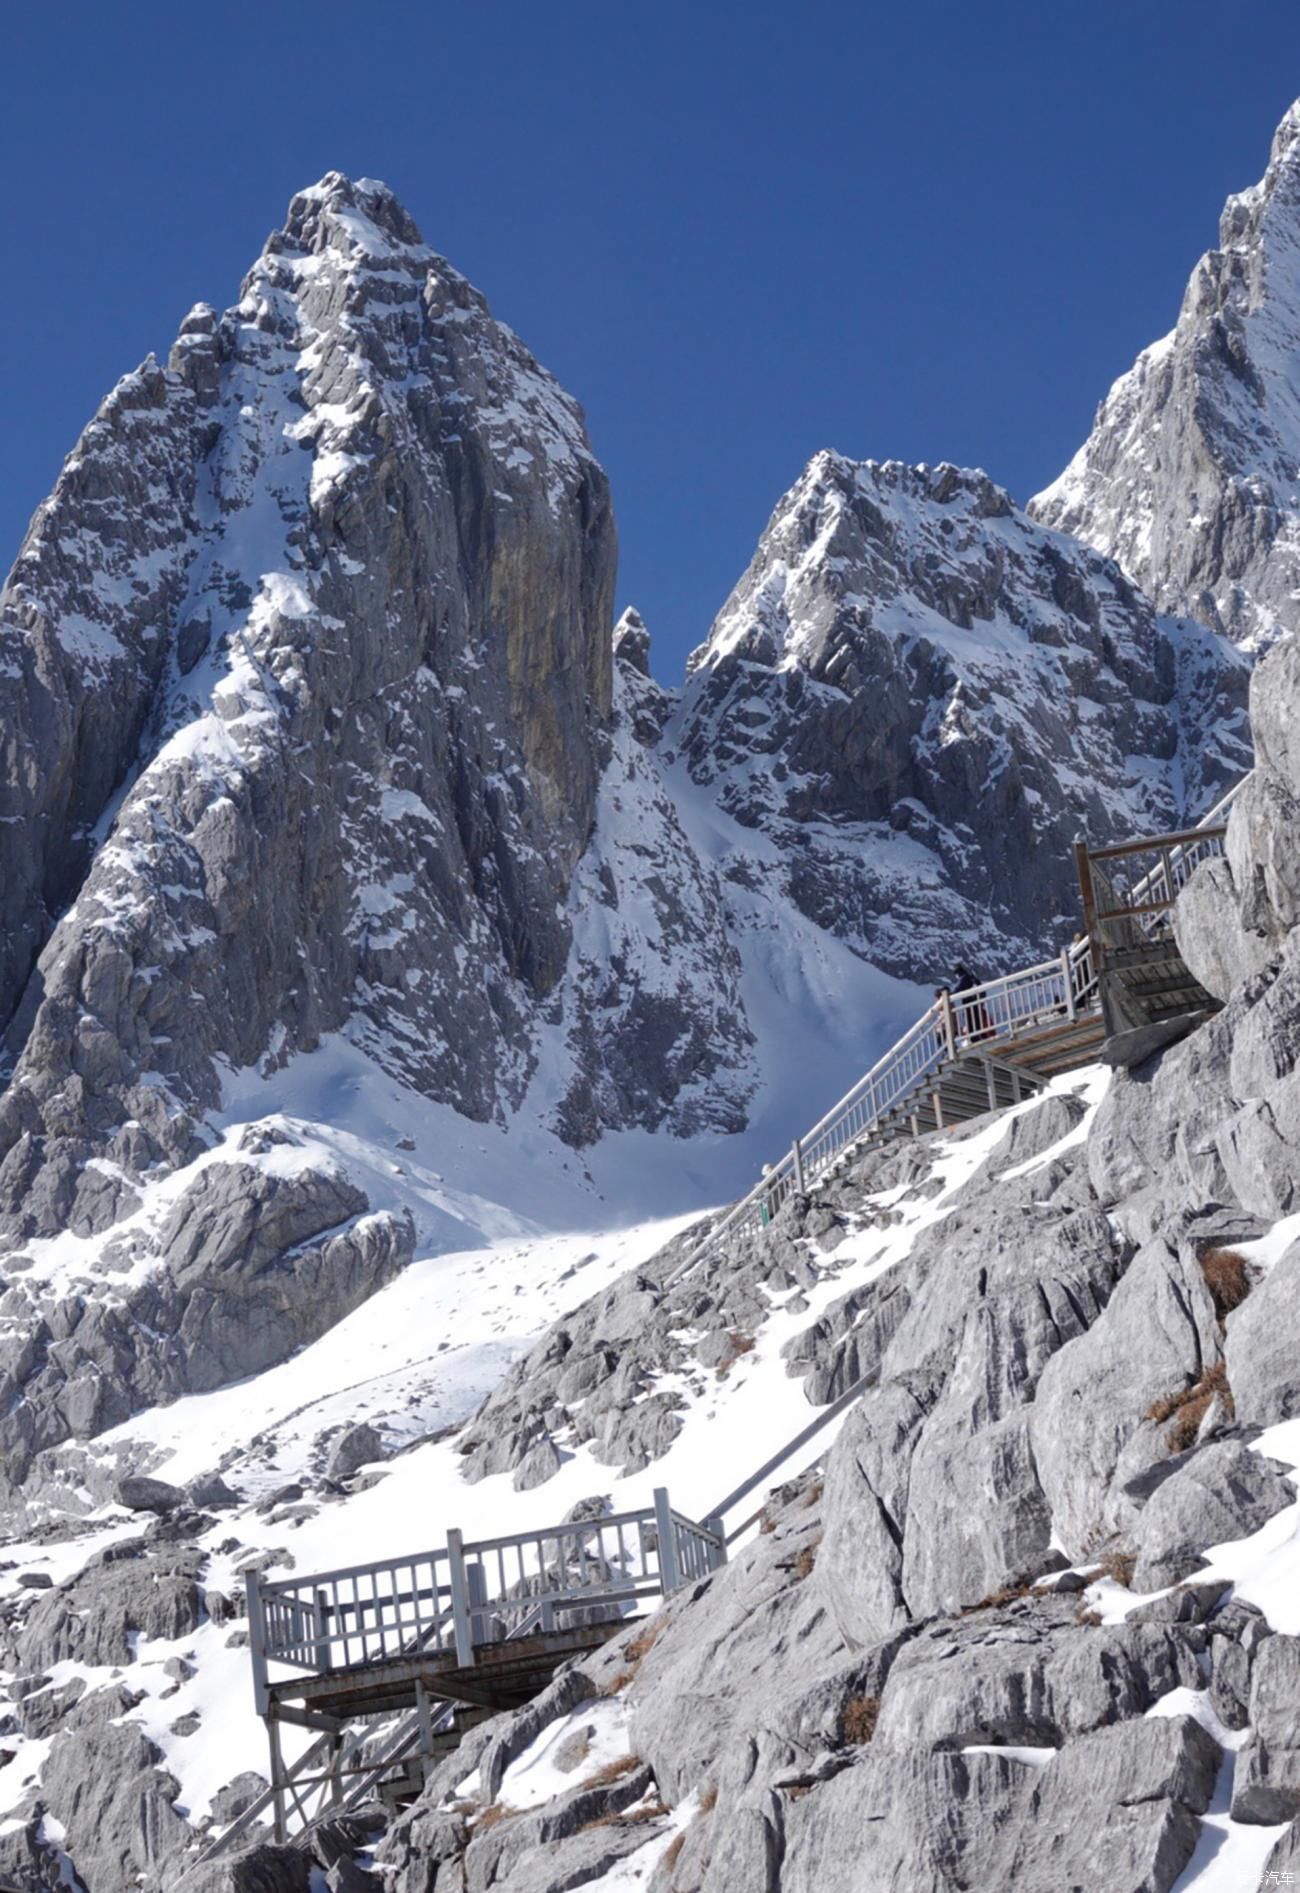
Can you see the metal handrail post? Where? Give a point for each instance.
(1067, 974)
(797, 1153)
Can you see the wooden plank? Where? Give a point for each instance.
(1153, 844)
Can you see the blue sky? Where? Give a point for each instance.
(737, 233)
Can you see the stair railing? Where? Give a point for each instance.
(972, 1021)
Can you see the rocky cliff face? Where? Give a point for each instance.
(1189, 477)
(923, 698)
(1033, 1622)
(315, 746)
(326, 603)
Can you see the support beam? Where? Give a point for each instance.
(426, 1730)
(278, 1779)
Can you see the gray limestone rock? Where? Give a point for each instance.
(250, 1265)
(1223, 1491)
(954, 735)
(262, 1869)
(355, 1447)
(114, 1803)
(127, 1591)
(209, 1492)
(1266, 1782)
(139, 1494)
(1026, 1683)
(1262, 1346)
(1188, 475)
(1089, 1428)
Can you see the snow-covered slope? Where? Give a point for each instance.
(1191, 475)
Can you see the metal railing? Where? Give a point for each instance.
(974, 1022)
(451, 1600)
(462, 1595)
(970, 1022)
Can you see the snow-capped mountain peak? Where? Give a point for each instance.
(1191, 475)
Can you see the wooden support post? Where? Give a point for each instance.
(991, 1082)
(796, 1151)
(1171, 890)
(666, 1532)
(280, 1823)
(320, 1617)
(460, 1610)
(1067, 974)
(946, 1025)
(1015, 1085)
(548, 1614)
(336, 1769)
(936, 1098)
(476, 1584)
(1088, 900)
(257, 1642)
(915, 1123)
(426, 1730)
(718, 1551)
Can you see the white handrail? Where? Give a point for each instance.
(1173, 862)
(974, 1019)
(943, 1029)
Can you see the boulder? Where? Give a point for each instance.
(1266, 1781)
(140, 1494)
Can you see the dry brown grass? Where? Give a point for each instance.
(673, 1851)
(1007, 1594)
(635, 1650)
(858, 1720)
(766, 1522)
(498, 1811)
(1228, 1278)
(611, 1772)
(806, 1558)
(632, 1817)
(1119, 1565)
(1086, 1615)
(738, 1343)
(709, 1799)
(813, 1496)
(1189, 1406)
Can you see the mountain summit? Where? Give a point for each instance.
(1191, 474)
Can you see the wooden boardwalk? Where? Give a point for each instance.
(440, 1639)
(1120, 990)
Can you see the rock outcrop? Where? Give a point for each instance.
(922, 699)
(1188, 478)
(1069, 1365)
(312, 639)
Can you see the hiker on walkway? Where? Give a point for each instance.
(974, 1019)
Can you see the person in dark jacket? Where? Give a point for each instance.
(975, 1021)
